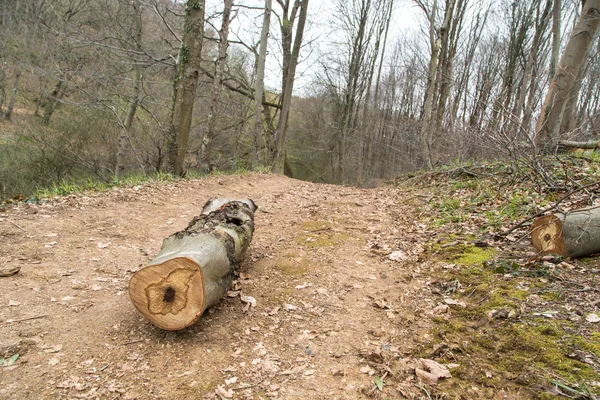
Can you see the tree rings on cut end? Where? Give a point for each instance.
(171, 294)
(547, 235)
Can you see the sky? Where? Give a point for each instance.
(318, 32)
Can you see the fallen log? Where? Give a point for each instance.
(574, 234)
(590, 144)
(194, 267)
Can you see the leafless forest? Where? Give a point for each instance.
(105, 89)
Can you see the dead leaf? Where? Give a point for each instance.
(248, 300)
(222, 393)
(432, 371)
(304, 285)
(593, 318)
(231, 380)
(426, 377)
(272, 311)
(397, 255)
(453, 302)
(366, 370)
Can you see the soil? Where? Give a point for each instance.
(337, 315)
(358, 291)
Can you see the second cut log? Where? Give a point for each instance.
(574, 234)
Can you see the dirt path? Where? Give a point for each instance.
(334, 313)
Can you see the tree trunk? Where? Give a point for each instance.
(53, 101)
(194, 267)
(563, 82)
(2, 86)
(135, 97)
(260, 83)
(188, 60)
(556, 36)
(281, 132)
(574, 234)
(427, 119)
(11, 102)
(209, 134)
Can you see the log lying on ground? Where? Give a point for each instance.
(574, 234)
(590, 144)
(194, 267)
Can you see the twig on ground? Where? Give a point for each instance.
(10, 321)
(17, 226)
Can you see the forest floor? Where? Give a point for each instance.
(361, 293)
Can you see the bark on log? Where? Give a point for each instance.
(574, 234)
(590, 144)
(194, 267)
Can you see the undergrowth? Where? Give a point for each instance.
(519, 322)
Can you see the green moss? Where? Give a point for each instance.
(550, 296)
(474, 256)
(292, 264)
(320, 234)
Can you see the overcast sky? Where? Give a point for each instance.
(318, 32)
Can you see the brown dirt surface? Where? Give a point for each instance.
(389, 292)
(335, 315)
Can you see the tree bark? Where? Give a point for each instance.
(188, 60)
(260, 83)
(194, 267)
(209, 134)
(563, 83)
(574, 234)
(11, 102)
(591, 144)
(556, 36)
(135, 97)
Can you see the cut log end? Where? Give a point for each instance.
(547, 235)
(171, 294)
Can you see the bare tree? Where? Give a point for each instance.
(563, 84)
(188, 71)
(11, 102)
(291, 52)
(260, 82)
(217, 87)
(135, 97)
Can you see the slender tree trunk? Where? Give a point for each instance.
(281, 133)
(53, 101)
(541, 24)
(260, 83)
(11, 102)
(188, 61)
(217, 87)
(563, 84)
(135, 97)
(427, 119)
(2, 86)
(556, 36)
